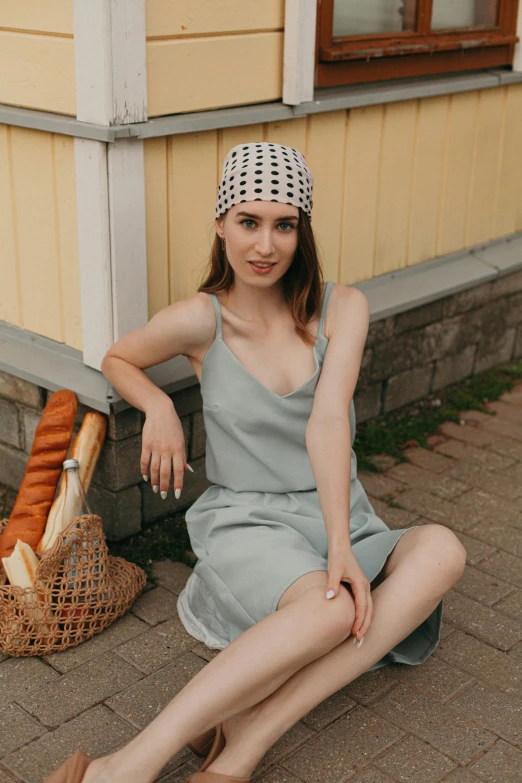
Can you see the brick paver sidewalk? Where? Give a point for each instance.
(455, 718)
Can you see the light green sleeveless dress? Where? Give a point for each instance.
(259, 526)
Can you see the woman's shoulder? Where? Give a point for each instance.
(345, 300)
(189, 323)
(348, 292)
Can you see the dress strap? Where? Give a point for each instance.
(327, 291)
(217, 309)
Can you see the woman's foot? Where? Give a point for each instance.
(234, 729)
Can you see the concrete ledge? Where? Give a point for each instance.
(54, 366)
(414, 286)
(60, 123)
(325, 99)
(356, 95)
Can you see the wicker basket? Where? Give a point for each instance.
(79, 590)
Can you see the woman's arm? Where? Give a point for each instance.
(183, 328)
(328, 441)
(178, 329)
(328, 436)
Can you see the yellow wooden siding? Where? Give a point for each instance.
(191, 181)
(486, 164)
(394, 185)
(325, 151)
(39, 270)
(213, 72)
(42, 16)
(458, 171)
(165, 18)
(37, 71)
(157, 223)
(205, 55)
(428, 169)
(361, 188)
(508, 216)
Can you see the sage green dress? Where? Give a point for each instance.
(259, 526)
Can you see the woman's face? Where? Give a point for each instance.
(259, 231)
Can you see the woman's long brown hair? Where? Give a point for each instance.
(302, 281)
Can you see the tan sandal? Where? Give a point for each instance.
(212, 777)
(71, 771)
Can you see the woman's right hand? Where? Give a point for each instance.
(163, 449)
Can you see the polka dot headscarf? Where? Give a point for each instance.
(264, 171)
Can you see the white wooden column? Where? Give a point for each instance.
(299, 51)
(92, 200)
(111, 89)
(517, 60)
(128, 236)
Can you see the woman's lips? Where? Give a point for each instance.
(260, 270)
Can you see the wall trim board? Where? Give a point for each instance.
(49, 122)
(110, 61)
(55, 366)
(325, 100)
(517, 59)
(126, 172)
(299, 51)
(92, 197)
(111, 84)
(350, 97)
(110, 192)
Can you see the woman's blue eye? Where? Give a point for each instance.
(283, 223)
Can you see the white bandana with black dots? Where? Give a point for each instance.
(264, 171)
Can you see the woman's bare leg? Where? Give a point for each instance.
(431, 559)
(250, 668)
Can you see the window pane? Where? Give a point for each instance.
(366, 17)
(463, 13)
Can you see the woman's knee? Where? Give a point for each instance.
(443, 544)
(331, 619)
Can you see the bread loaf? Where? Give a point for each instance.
(20, 567)
(88, 444)
(35, 496)
(86, 449)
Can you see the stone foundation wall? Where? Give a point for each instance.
(407, 356)
(117, 492)
(414, 353)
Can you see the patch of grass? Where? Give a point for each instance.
(412, 424)
(387, 434)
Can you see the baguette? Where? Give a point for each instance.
(50, 446)
(86, 449)
(20, 568)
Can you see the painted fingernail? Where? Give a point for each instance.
(155, 487)
(330, 594)
(163, 494)
(191, 469)
(145, 478)
(177, 493)
(362, 640)
(354, 639)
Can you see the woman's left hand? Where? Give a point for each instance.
(343, 567)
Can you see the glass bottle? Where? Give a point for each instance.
(74, 505)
